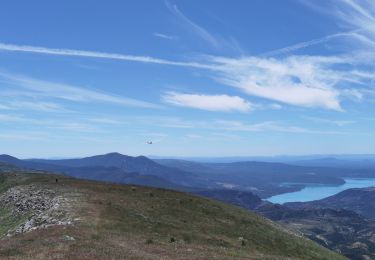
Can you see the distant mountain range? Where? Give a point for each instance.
(289, 159)
(361, 201)
(125, 164)
(266, 178)
(361, 163)
(113, 167)
(263, 178)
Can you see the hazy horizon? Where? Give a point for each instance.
(277, 157)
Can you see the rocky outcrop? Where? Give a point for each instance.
(40, 207)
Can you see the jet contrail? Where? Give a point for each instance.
(306, 44)
(101, 55)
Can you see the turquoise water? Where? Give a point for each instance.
(317, 192)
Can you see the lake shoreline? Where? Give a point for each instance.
(319, 191)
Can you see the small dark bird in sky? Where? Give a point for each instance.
(149, 142)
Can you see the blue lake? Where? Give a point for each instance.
(317, 192)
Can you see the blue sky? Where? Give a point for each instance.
(198, 78)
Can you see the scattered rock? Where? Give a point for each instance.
(43, 207)
(68, 238)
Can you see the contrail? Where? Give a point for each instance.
(307, 44)
(101, 55)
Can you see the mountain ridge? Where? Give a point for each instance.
(264, 178)
(359, 200)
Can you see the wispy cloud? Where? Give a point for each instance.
(331, 121)
(267, 126)
(9, 118)
(107, 121)
(359, 16)
(275, 106)
(164, 36)
(4, 107)
(208, 102)
(36, 105)
(226, 136)
(74, 127)
(193, 136)
(214, 137)
(306, 44)
(194, 27)
(154, 134)
(93, 54)
(72, 124)
(218, 42)
(306, 81)
(22, 136)
(299, 80)
(41, 88)
(229, 125)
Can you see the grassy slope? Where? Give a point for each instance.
(119, 221)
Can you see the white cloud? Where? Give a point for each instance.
(359, 16)
(40, 88)
(36, 105)
(275, 106)
(164, 36)
(307, 81)
(331, 121)
(24, 136)
(223, 136)
(215, 41)
(226, 125)
(229, 125)
(106, 121)
(208, 102)
(266, 126)
(74, 127)
(46, 123)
